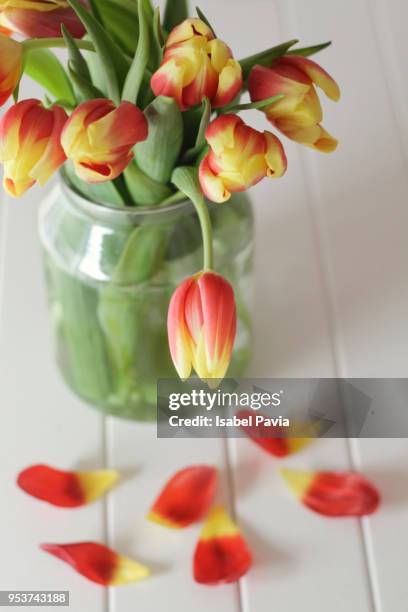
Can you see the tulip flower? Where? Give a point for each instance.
(98, 563)
(202, 325)
(65, 489)
(186, 497)
(239, 157)
(99, 138)
(11, 66)
(40, 18)
(298, 114)
(334, 494)
(195, 65)
(222, 555)
(30, 146)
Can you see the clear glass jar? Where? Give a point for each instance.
(110, 275)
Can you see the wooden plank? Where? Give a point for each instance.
(41, 422)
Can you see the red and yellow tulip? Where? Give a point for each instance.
(30, 147)
(195, 65)
(185, 498)
(99, 138)
(65, 489)
(239, 157)
(11, 66)
(222, 554)
(39, 18)
(98, 563)
(334, 493)
(299, 113)
(202, 325)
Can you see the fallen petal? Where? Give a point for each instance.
(334, 493)
(185, 498)
(222, 554)
(98, 563)
(65, 489)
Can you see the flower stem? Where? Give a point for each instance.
(47, 43)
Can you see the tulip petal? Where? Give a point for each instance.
(316, 73)
(11, 66)
(187, 30)
(275, 156)
(98, 563)
(220, 134)
(179, 341)
(185, 498)
(229, 84)
(315, 137)
(65, 489)
(211, 184)
(40, 18)
(221, 555)
(334, 494)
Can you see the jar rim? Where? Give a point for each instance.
(128, 213)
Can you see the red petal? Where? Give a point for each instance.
(186, 497)
(98, 563)
(222, 554)
(335, 494)
(65, 489)
(261, 435)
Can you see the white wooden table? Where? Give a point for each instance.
(332, 300)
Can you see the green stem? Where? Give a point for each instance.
(206, 229)
(47, 43)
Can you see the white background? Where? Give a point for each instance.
(332, 300)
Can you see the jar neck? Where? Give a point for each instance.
(125, 215)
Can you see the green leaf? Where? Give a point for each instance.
(42, 66)
(204, 18)
(144, 190)
(200, 140)
(120, 22)
(78, 70)
(306, 51)
(112, 60)
(157, 155)
(175, 12)
(102, 193)
(135, 75)
(252, 105)
(265, 57)
(85, 90)
(157, 41)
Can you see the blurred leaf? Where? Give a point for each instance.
(112, 60)
(157, 41)
(122, 24)
(252, 105)
(306, 51)
(157, 155)
(42, 66)
(200, 140)
(135, 75)
(265, 58)
(144, 190)
(175, 12)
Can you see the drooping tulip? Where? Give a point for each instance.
(11, 66)
(40, 18)
(239, 157)
(334, 493)
(195, 65)
(202, 326)
(299, 113)
(98, 563)
(99, 138)
(65, 489)
(221, 555)
(30, 147)
(185, 498)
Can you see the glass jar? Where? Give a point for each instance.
(110, 275)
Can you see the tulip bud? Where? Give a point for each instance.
(298, 114)
(239, 157)
(202, 325)
(11, 66)
(197, 65)
(40, 18)
(30, 146)
(99, 138)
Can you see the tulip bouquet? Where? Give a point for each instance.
(144, 116)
